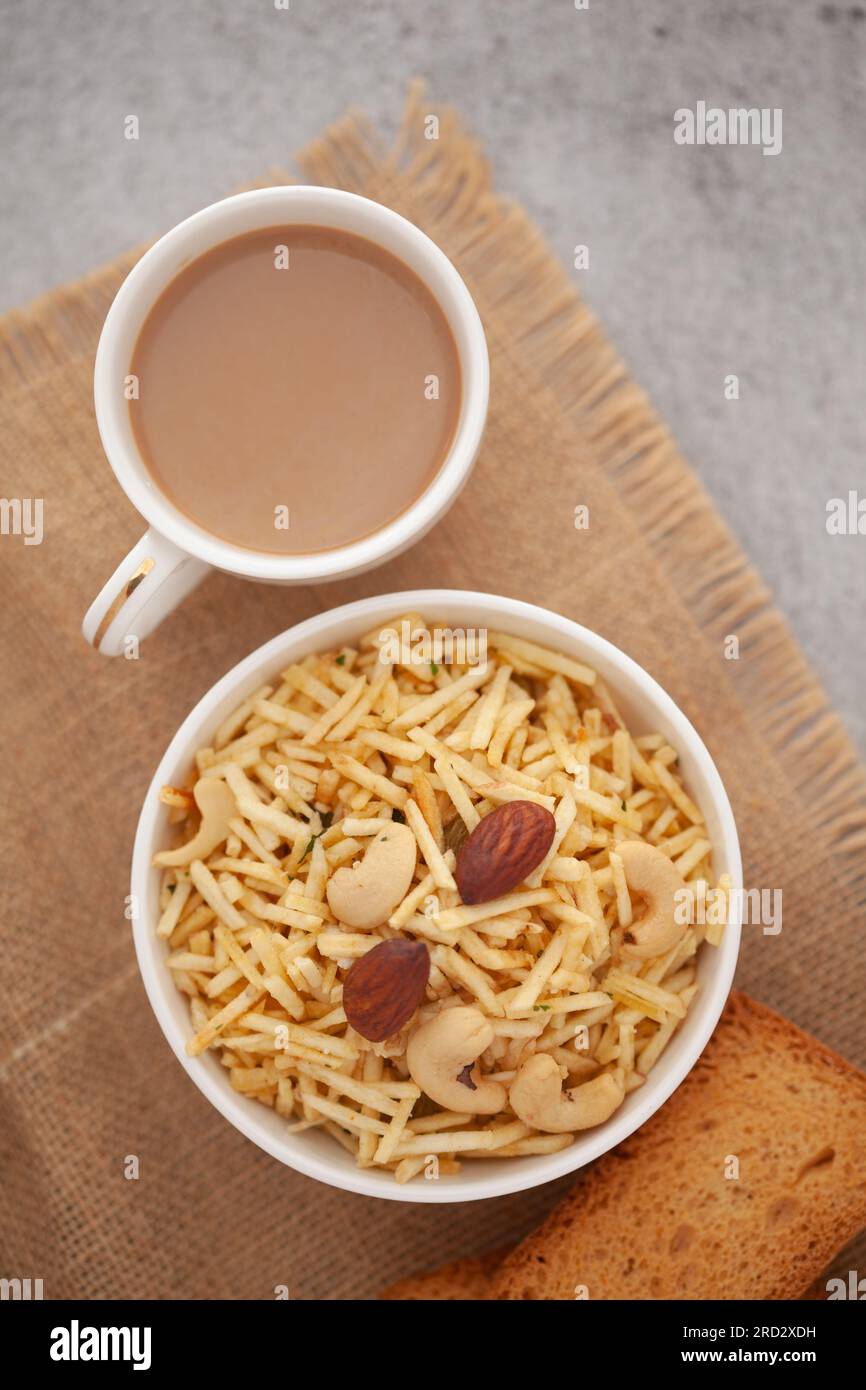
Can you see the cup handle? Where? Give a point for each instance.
(144, 589)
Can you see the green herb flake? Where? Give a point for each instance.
(327, 818)
(434, 669)
(341, 659)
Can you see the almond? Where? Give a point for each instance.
(384, 988)
(503, 848)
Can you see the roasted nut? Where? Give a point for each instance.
(216, 803)
(384, 988)
(441, 1056)
(537, 1097)
(652, 876)
(365, 894)
(503, 849)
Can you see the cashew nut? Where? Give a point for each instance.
(442, 1058)
(651, 875)
(216, 803)
(537, 1097)
(365, 894)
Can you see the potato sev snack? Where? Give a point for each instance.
(343, 808)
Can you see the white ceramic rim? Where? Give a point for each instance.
(337, 1168)
(288, 205)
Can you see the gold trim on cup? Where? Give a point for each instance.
(120, 599)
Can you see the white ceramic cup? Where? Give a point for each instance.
(645, 706)
(175, 554)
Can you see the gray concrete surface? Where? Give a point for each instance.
(703, 261)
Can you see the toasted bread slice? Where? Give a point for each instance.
(744, 1185)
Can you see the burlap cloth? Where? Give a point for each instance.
(87, 1078)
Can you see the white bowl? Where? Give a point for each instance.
(645, 706)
